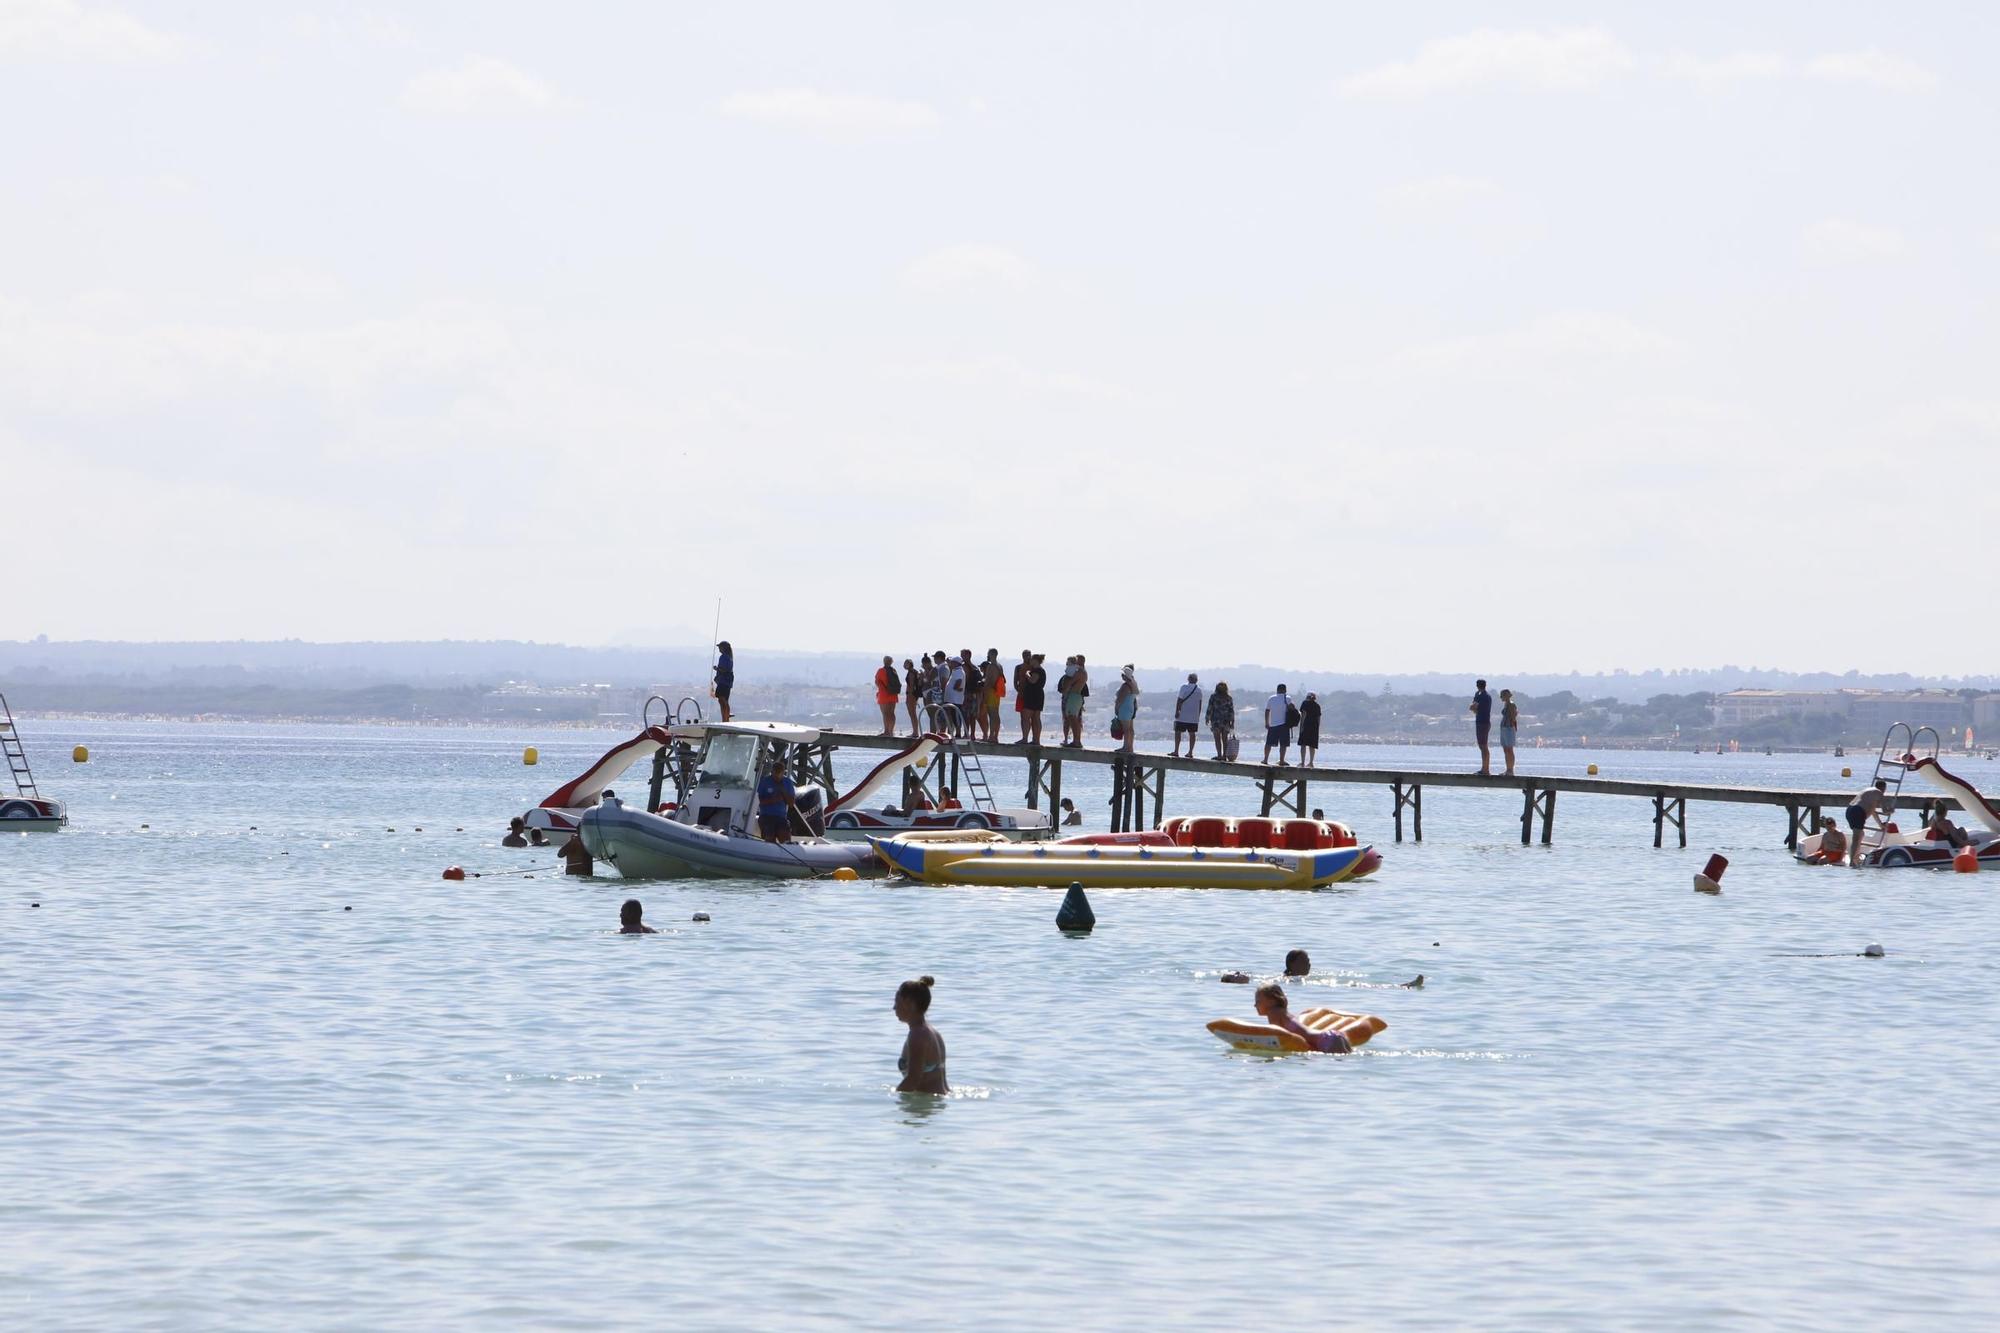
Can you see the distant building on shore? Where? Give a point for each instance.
(1863, 710)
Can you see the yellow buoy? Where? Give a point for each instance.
(81, 754)
(1592, 770)
(1847, 772)
(845, 873)
(531, 756)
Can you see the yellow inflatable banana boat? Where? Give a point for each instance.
(975, 857)
(1248, 1036)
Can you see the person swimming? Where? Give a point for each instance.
(516, 833)
(1299, 965)
(922, 1059)
(631, 919)
(1275, 1009)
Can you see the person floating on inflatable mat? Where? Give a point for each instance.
(1275, 1009)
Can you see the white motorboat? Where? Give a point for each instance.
(27, 810)
(709, 827)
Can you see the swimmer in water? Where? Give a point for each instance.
(631, 919)
(922, 1060)
(516, 835)
(1275, 1009)
(1298, 963)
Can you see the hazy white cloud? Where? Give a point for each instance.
(1434, 195)
(831, 115)
(1845, 241)
(478, 85)
(102, 356)
(365, 28)
(287, 285)
(967, 267)
(1566, 342)
(1736, 67)
(1878, 69)
(64, 29)
(1011, 375)
(1563, 58)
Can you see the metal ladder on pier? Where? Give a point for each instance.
(974, 778)
(17, 758)
(1891, 766)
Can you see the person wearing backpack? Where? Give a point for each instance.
(888, 689)
(1187, 714)
(1279, 718)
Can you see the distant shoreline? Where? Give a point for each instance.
(632, 725)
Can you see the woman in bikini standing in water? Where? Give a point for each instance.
(922, 1060)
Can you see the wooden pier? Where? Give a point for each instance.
(1139, 786)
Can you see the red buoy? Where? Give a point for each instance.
(454, 872)
(1710, 878)
(1966, 862)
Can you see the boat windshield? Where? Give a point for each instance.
(729, 761)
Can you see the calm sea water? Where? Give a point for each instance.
(262, 1067)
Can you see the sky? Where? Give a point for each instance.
(1378, 338)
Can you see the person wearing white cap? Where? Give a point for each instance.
(1125, 710)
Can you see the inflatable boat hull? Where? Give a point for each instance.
(644, 846)
(962, 859)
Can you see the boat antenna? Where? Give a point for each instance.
(715, 635)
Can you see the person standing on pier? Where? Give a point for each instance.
(1481, 709)
(1187, 714)
(993, 690)
(1031, 693)
(913, 693)
(1222, 718)
(1510, 719)
(1125, 709)
(956, 672)
(1309, 729)
(1277, 725)
(888, 689)
(1074, 688)
(725, 676)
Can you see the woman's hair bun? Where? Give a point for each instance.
(927, 981)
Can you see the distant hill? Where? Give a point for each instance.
(447, 664)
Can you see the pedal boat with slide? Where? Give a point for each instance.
(27, 810)
(1182, 853)
(1883, 843)
(709, 827)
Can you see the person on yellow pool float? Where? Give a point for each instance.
(1275, 1009)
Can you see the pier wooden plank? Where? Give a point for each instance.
(1669, 798)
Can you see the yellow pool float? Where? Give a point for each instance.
(979, 857)
(1251, 1036)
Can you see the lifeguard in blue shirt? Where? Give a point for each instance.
(777, 801)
